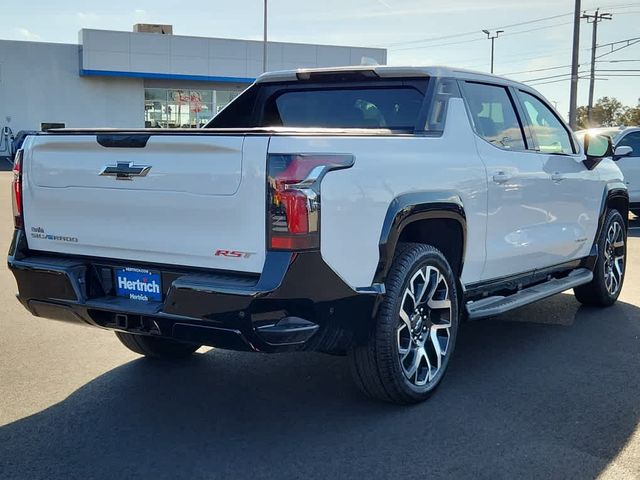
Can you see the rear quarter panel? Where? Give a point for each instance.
(355, 200)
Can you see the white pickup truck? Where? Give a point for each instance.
(365, 211)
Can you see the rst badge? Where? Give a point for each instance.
(138, 284)
(233, 254)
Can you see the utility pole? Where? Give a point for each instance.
(492, 37)
(264, 42)
(595, 19)
(575, 58)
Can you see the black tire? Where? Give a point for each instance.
(156, 347)
(600, 292)
(378, 365)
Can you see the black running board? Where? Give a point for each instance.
(492, 306)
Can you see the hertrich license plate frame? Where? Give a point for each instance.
(139, 284)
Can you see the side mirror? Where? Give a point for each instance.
(622, 151)
(596, 147)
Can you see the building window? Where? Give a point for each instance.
(183, 108)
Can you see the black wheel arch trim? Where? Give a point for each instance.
(614, 191)
(412, 207)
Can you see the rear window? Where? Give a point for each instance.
(390, 108)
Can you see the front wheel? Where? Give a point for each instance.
(408, 349)
(608, 274)
(157, 347)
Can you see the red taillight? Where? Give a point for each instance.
(16, 191)
(293, 211)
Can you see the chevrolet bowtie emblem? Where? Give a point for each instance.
(125, 170)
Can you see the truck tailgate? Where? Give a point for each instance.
(201, 195)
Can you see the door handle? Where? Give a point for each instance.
(501, 177)
(557, 177)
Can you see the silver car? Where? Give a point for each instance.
(629, 163)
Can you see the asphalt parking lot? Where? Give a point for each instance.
(551, 390)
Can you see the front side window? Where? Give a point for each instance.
(494, 116)
(388, 108)
(631, 140)
(548, 130)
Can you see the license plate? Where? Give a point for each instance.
(138, 284)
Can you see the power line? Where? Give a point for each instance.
(536, 70)
(624, 5)
(609, 7)
(535, 56)
(521, 58)
(599, 77)
(475, 32)
(626, 43)
(611, 44)
(437, 45)
(552, 76)
(510, 34)
(553, 81)
(618, 61)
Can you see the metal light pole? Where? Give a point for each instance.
(264, 41)
(492, 37)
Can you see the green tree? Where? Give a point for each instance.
(607, 112)
(582, 117)
(631, 116)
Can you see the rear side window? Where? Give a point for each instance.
(548, 130)
(446, 89)
(390, 108)
(494, 116)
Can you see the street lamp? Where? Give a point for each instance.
(492, 37)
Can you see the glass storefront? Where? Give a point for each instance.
(183, 108)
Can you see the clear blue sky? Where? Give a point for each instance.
(382, 23)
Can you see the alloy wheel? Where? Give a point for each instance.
(614, 257)
(424, 327)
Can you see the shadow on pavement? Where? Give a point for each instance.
(553, 396)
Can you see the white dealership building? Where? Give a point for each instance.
(136, 79)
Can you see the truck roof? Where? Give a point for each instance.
(387, 71)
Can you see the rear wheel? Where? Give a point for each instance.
(608, 274)
(156, 347)
(407, 352)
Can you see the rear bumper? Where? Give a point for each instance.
(297, 303)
